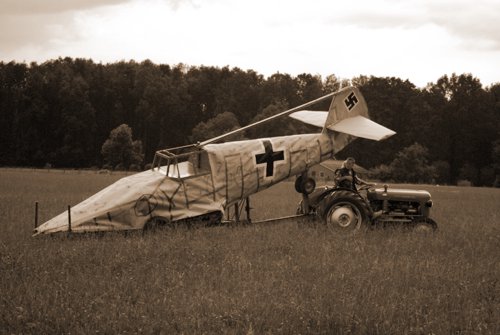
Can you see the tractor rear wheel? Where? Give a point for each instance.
(345, 211)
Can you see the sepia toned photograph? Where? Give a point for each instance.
(250, 167)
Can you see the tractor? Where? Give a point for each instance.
(349, 210)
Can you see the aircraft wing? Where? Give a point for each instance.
(360, 126)
(316, 118)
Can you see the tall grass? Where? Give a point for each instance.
(292, 277)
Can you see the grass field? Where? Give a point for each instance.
(286, 278)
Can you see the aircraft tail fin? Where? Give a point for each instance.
(347, 117)
(348, 114)
(347, 103)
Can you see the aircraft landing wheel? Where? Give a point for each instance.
(305, 185)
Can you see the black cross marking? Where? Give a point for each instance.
(269, 157)
(351, 101)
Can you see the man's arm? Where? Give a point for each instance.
(360, 181)
(342, 174)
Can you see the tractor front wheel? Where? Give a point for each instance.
(426, 225)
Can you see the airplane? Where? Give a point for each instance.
(202, 180)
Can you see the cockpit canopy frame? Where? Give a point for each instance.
(182, 162)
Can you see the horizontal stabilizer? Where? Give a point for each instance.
(360, 126)
(315, 118)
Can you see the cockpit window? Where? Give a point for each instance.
(182, 162)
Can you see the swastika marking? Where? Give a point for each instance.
(351, 101)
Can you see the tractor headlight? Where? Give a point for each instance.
(428, 203)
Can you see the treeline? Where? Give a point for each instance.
(61, 112)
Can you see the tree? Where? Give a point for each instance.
(12, 90)
(78, 123)
(280, 126)
(442, 169)
(120, 150)
(411, 165)
(81, 101)
(496, 162)
(238, 93)
(309, 87)
(221, 124)
(332, 84)
(279, 87)
(468, 124)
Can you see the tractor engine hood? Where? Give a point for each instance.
(395, 194)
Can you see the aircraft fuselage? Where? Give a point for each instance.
(242, 168)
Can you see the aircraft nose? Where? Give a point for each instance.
(123, 205)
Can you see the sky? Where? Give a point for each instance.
(418, 40)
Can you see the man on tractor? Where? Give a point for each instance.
(346, 176)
